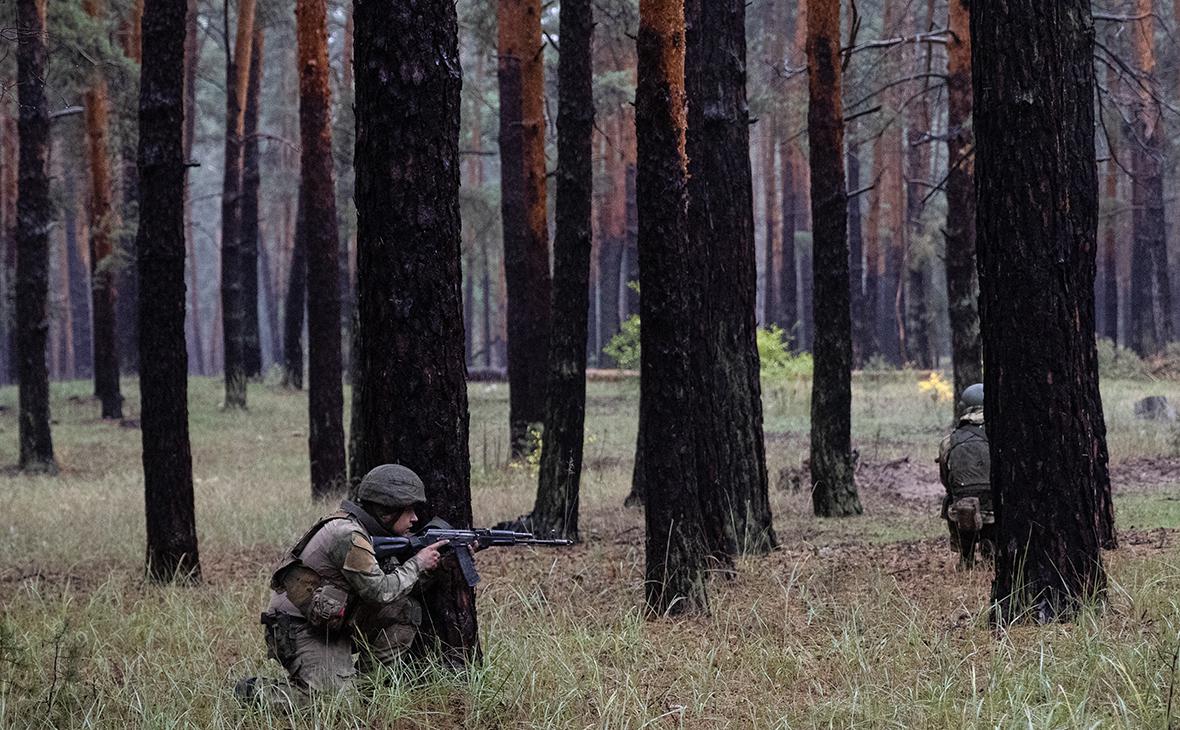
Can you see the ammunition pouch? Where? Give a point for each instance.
(966, 514)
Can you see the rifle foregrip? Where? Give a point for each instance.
(467, 565)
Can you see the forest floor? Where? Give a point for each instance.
(854, 622)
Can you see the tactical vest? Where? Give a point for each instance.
(299, 576)
(967, 461)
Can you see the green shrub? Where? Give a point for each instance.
(777, 359)
(1118, 362)
(624, 346)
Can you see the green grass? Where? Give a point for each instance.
(857, 622)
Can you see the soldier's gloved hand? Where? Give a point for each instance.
(428, 557)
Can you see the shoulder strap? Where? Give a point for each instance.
(297, 550)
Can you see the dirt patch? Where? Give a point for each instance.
(901, 482)
(1145, 474)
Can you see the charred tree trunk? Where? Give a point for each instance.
(1033, 71)
(556, 508)
(526, 238)
(833, 488)
(34, 216)
(317, 199)
(730, 456)
(294, 305)
(962, 283)
(163, 382)
(676, 543)
(251, 181)
(103, 224)
(410, 346)
(233, 312)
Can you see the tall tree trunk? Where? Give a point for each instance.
(730, 456)
(251, 182)
(772, 250)
(856, 265)
(832, 464)
(917, 161)
(79, 283)
(962, 283)
(192, 59)
(10, 364)
(163, 383)
(614, 238)
(233, 312)
(317, 194)
(294, 305)
(789, 272)
(270, 298)
(34, 216)
(676, 544)
(556, 508)
(897, 263)
(1033, 71)
(526, 238)
(103, 224)
(1110, 267)
(126, 303)
(874, 320)
(410, 346)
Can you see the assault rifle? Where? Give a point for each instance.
(403, 548)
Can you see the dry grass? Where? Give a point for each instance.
(859, 622)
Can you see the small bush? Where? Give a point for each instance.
(624, 346)
(1118, 362)
(777, 359)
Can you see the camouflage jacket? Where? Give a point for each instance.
(963, 463)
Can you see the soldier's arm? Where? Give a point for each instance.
(366, 578)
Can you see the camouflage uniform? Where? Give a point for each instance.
(965, 470)
(330, 598)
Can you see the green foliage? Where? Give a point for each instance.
(1118, 362)
(776, 357)
(624, 346)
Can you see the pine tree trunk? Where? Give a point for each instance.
(676, 544)
(251, 182)
(192, 59)
(614, 239)
(772, 249)
(9, 362)
(1110, 258)
(127, 301)
(103, 224)
(917, 160)
(317, 193)
(556, 508)
(409, 347)
(526, 238)
(874, 321)
(1033, 72)
(79, 283)
(34, 216)
(856, 265)
(163, 383)
(833, 487)
(730, 456)
(789, 273)
(294, 305)
(233, 313)
(962, 283)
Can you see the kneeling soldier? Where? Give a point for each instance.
(330, 597)
(964, 467)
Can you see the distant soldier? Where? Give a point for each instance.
(331, 598)
(965, 470)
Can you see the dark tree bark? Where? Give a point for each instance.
(919, 344)
(789, 274)
(233, 312)
(526, 238)
(79, 283)
(1110, 325)
(127, 302)
(412, 398)
(293, 306)
(772, 247)
(556, 508)
(833, 487)
(163, 382)
(103, 224)
(34, 216)
(730, 456)
(1033, 71)
(856, 265)
(9, 359)
(251, 182)
(962, 283)
(676, 544)
(317, 199)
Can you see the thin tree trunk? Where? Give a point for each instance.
(237, 73)
(34, 217)
(79, 283)
(874, 321)
(917, 160)
(772, 249)
(192, 57)
(730, 455)
(294, 304)
(556, 507)
(409, 335)
(856, 265)
(10, 364)
(1110, 257)
(248, 241)
(103, 224)
(126, 303)
(526, 238)
(167, 461)
(676, 544)
(1033, 71)
(317, 193)
(962, 283)
(614, 239)
(832, 464)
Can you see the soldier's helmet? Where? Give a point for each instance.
(392, 485)
(972, 396)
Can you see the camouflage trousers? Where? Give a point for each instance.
(316, 659)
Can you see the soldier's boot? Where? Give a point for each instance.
(967, 542)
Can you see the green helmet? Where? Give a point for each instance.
(391, 485)
(972, 396)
